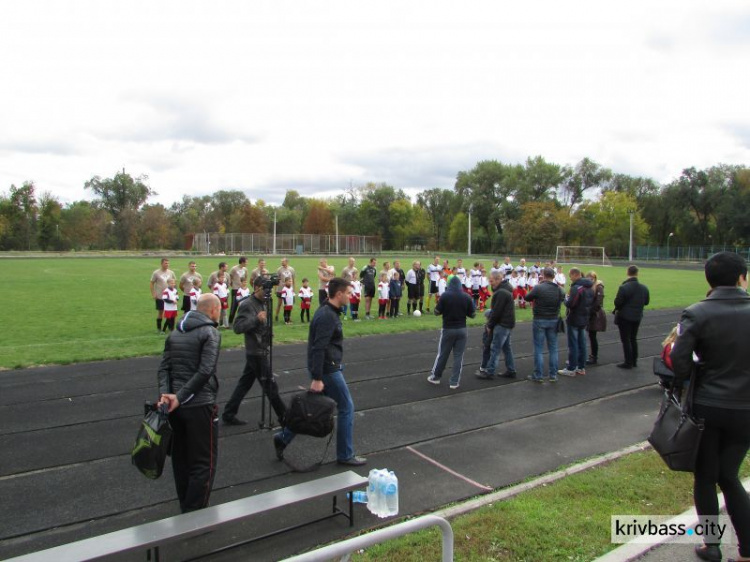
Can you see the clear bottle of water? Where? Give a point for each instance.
(382, 488)
(391, 494)
(359, 496)
(372, 492)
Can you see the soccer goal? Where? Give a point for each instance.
(582, 255)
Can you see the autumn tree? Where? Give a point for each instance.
(319, 219)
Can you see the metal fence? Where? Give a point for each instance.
(686, 253)
(266, 244)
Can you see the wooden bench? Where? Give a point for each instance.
(151, 536)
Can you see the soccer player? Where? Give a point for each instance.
(283, 272)
(354, 299)
(170, 296)
(159, 279)
(394, 294)
(460, 271)
(243, 292)
(383, 290)
(236, 274)
(507, 267)
(433, 272)
(220, 290)
(367, 277)
(195, 294)
(186, 285)
(475, 276)
(287, 296)
(305, 295)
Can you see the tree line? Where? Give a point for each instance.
(524, 208)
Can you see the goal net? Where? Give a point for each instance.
(582, 255)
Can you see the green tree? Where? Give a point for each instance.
(537, 230)
(458, 233)
(224, 203)
(585, 177)
(49, 222)
(319, 219)
(373, 211)
(155, 230)
(441, 206)
(122, 196)
(20, 212)
(539, 180)
(608, 220)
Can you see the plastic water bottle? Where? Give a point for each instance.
(391, 494)
(383, 479)
(372, 491)
(360, 496)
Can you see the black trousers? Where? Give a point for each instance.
(628, 337)
(233, 306)
(594, 344)
(725, 442)
(256, 367)
(195, 448)
(322, 296)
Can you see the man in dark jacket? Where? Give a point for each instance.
(367, 276)
(579, 302)
(501, 319)
(455, 306)
(632, 297)
(188, 385)
(547, 297)
(716, 330)
(251, 321)
(325, 350)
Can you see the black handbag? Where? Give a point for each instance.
(677, 434)
(661, 369)
(153, 442)
(311, 413)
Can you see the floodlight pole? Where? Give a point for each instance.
(631, 212)
(274, 231)
(668, 239)
(469, 248)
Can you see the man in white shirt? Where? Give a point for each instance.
(433, 272)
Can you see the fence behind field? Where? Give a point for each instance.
(686, 253)
(266, 244)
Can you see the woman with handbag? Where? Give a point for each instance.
(716, 330)
(597, 320)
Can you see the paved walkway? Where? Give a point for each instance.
(65, 436)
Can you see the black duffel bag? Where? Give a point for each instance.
(311, 413)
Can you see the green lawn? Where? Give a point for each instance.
(566, 520)
(64, 310)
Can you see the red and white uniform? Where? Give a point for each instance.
(442, 284)
(305, 295)
(194, 296)
(170, 296)
(287, 297)
(356, 295)
(383, 291)
(476, 278)
(532, 282)
(221, 291)
(242, 294)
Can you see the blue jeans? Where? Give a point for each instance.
(336, 389)
(500, 340)
(576, 348)
(545, 329)
(451, 339)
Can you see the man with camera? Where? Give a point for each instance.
(325, 350)
(251, 320)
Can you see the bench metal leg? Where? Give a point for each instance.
(154, 557)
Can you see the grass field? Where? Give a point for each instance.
(65, 310)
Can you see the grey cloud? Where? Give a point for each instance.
(43, 146)
(179, 121)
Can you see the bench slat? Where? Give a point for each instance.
(188, 524)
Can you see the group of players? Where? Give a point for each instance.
(387, 285)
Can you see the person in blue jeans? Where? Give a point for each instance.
(324, 354)
(579, 302)
(547, 298)
(501, 319)
(454, 306)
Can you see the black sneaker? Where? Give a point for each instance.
(484, 375)
(233, 421)
(353, 461)
(509, 374)
(279, 445)
(624, 366)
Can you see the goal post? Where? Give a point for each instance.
(582, 255)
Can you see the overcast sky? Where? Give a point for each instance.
(270, 96)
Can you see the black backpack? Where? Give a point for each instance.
(311, 413)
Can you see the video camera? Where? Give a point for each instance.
(269, 282)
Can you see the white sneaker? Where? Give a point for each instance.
(433, 380)
(566, 373)
(453, 386)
